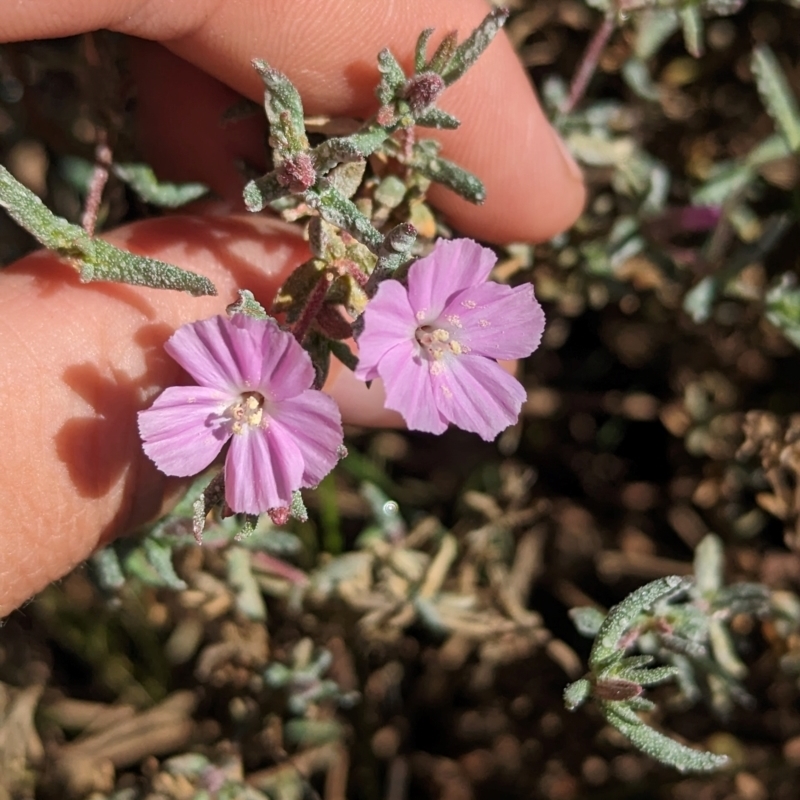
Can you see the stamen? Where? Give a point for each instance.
(249, 411)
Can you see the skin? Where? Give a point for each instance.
(81, 360)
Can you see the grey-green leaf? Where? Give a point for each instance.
(468, 52)
(96, 258)
(776, 94)
(452, 176)
(284, 110)
(143, 181)
(621, 617)
(692, 22)
(658, 746)
(104, 262)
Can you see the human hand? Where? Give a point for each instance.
(81, 360)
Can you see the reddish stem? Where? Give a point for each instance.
(588, 65)
(102, 155)
(313, 305)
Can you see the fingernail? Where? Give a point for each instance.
(569, 162)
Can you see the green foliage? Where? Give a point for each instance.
(776, 95)
(679, 620)
(95, 259)
(143, 181)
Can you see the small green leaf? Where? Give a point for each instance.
(108, 568)
(96, 259)
(355, 147)
(709, 562)
(692, 22)
(104, 262)
(143, 181)
(248, 305)
(577, 693)
(776, 94)
(343, 213)
(621, 617)
(587, 620)
(783, 307)
(240, 578)
(653, 27)
(159, 556)
(658, 746)
(259, 193)
(392, 77)
(436, 118)
(468, 52)
(445, 172)
(698, 302)
(284, 110)
(420, 50)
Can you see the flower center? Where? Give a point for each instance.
(248, 412)
(437, 342)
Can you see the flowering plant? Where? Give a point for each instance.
(254, 391)
(435, 343)
(434, 338)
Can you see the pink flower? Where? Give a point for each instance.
(436, 343)
(253, 390)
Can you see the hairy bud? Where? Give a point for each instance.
(423, 90)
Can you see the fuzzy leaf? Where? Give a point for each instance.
(355, 147)
(468, 52)
(284, 110)
(448, 174)
(622, 616)
(577, 693)
(587, 620)
(436, 118)
(420, 49)
(96, 259)
(343, 213)
(776, 94)
(259, 193)
(392, 77)
(143, 181)
(108, 569)
(648, 677)
(159, 556)
(658, 746)
(104, 262)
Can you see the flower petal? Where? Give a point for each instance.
(261, 471)
(388, 321)
(217, 352)
(184, 430)
(451, 266)
(409, 389)
(313, 422)
(478, 395)
(285, 369)
(497, 321)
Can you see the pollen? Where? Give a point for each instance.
(468, 303)
(248, 412)
(454, 320)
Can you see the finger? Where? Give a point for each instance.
(81, 360)
(533, 189)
